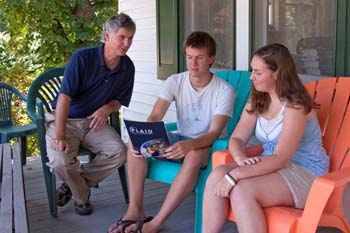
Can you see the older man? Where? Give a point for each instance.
(97, 81)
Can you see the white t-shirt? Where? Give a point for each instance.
(196, 109)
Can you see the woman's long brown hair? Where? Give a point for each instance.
(288, 84)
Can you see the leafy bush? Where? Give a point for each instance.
(35, 36)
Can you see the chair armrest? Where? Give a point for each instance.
(222, 157)
(171, 126)
(17, 93)
(33, 114)
(220, 144)
(225, 157)
(320, 192)
(115, 121)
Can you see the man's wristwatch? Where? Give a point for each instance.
(230, 179)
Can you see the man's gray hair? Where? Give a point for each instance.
(121, 20)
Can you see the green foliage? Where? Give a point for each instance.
(20, 117)
(2, 21)
(39, 34)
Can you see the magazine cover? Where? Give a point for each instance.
(148, 138)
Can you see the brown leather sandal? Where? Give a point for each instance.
(63, 194)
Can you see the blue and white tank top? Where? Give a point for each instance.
(310, 153)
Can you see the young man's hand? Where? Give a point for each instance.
(179, 150)
(133, 152)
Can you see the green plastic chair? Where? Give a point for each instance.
(165, 171)
(7, 129)
(41, 93)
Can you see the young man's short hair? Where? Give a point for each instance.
(201, 40)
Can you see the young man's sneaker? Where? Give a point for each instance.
(63, 194)
(84, 209)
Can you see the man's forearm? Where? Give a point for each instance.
(113, 106)
(61, 115)
(204, 140)
(159, 109)
(215, 129)
(153, 118)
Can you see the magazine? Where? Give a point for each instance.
(150, 139)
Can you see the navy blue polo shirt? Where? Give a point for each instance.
(91, 84)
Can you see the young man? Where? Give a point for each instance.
(97, 81)
(204, 104)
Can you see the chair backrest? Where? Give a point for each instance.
(6, 94)
(43, 90)
(333, 95)
(240, 81)
(41, 93)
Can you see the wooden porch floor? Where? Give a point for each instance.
(109, 205)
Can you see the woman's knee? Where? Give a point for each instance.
(216, 175)
(242, 191)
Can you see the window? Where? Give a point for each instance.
(317, 32)
(306, 27)
(178, 18)
(216, 18)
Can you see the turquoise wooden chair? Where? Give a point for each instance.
(165, 171)
(8, 130)
(41, 93)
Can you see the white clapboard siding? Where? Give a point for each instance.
(148, 77)
(146, 22)
(143, 52)
(142, 56)
(144, 34)
(146, 66)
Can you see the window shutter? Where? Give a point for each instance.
(342, 51)
(167, 38)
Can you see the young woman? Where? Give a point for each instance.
(283, 116)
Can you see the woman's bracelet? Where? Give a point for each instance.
(230, 179)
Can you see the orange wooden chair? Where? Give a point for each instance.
(324, 205)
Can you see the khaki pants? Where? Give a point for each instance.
(105, 143)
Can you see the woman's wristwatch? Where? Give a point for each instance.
(230, 179)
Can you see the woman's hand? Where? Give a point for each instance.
(223, 188)
(247, 161)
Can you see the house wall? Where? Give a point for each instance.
(242, 35)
